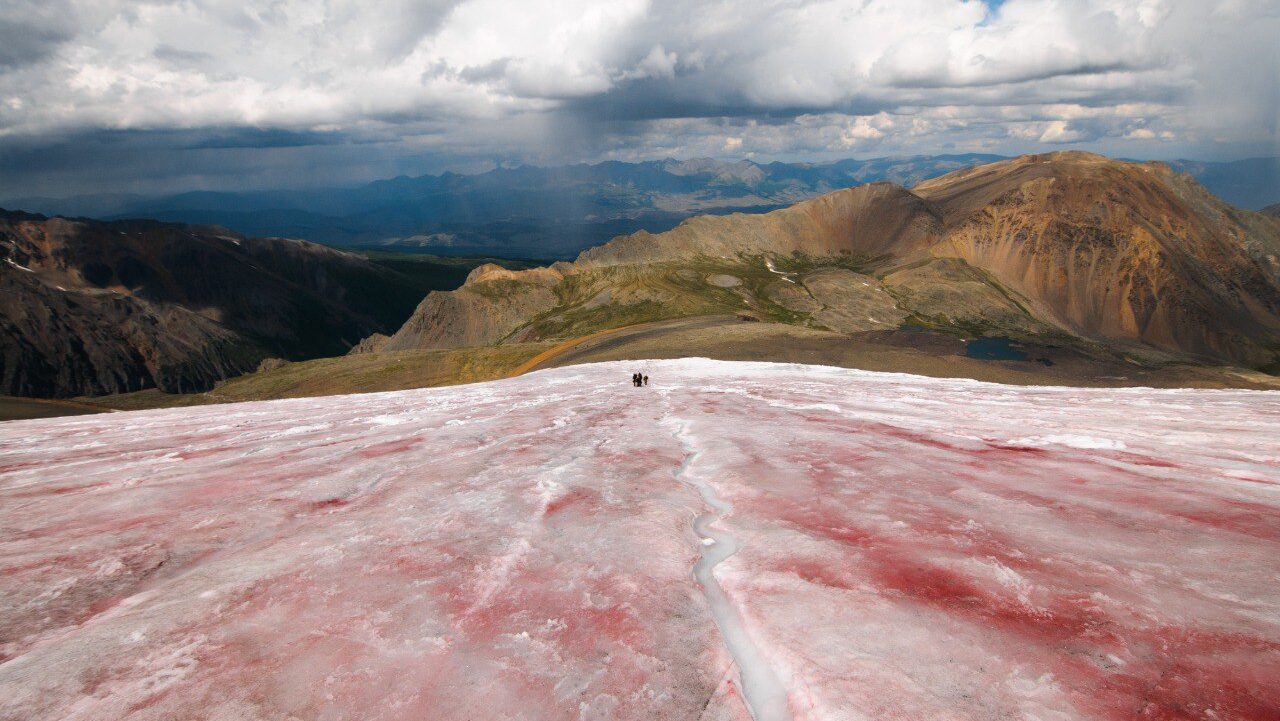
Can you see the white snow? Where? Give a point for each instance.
(1069, 439)
(768, 263)
(736, 540)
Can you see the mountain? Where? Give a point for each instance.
(92, 307)
(1119, 251)
(1130, 258)
(556, 212)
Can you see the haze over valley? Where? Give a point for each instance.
(557, 212)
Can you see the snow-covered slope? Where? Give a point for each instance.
(792, 541)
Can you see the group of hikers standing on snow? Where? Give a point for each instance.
(639, 379)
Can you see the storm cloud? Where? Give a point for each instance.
(107, 95)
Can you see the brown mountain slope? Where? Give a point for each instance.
(867, 220)
(1118, 252)
(862, 222)
(88, 308)
(1129, 255)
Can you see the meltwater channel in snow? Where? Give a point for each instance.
(735, 541)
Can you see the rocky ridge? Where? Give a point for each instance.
(90, 308)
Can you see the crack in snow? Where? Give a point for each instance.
(765, 695)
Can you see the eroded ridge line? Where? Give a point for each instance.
(765, 695)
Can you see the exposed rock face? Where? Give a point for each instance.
(58, 343)
(89, 308)
(493, 303)
(1119, 252)
(269, 364)
(372, 344)
(1131, 255)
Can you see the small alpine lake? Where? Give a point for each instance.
(994, 348)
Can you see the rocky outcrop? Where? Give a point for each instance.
(270, 364)
(372, 344)
(493, 303)
(91, 308)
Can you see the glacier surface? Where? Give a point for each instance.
(736, 541)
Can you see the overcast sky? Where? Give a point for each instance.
(120, 95)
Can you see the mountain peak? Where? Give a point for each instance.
(1129, 255)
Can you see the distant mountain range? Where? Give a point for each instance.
(557, 212)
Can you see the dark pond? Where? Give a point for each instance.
(998, 348)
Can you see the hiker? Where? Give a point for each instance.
(646, 380)
(635, 379)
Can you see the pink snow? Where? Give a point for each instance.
(872, 546)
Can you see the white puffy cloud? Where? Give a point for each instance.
(1059, 131)
(577, 79)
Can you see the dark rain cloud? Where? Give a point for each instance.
(124, 95)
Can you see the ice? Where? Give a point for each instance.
(1069, 439)
(764, 694)
(736, 539)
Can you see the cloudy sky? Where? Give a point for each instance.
(127, 95)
